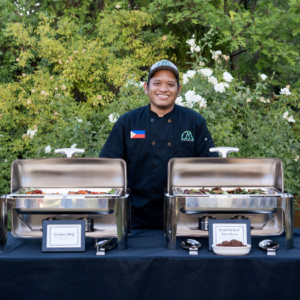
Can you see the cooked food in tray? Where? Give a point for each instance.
(232, 243)
(33, 191)
(218, 190)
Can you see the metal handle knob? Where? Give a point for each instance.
(69, 152)
(224, 151)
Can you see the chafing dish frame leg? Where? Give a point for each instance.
(3, 223)
(171, 215)
(289, 221)
(122, 222)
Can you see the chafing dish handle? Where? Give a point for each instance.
(69, 152)
(224, 151)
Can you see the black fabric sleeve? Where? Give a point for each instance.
(115, 146)
(204, 140)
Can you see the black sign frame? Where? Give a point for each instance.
(64, 223)
(231, 221)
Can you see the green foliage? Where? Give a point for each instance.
(67, 79)
(239, 116)
(262, 36)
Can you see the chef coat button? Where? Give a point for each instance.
(152, 120)
(169, 144)
(152, 191)
(152, 167)
(169, 121)
(153, 143)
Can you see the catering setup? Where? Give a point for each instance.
(90, 190)
(221, 188)
(200, 191)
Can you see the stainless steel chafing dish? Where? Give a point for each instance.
(106, 215)
(188, 214)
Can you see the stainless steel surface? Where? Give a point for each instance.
(269, 213)
(203, 222)
(69, 173)
(69, 152)
(89, 224)
(270, 246)
(3, 223)
(104, 245)
(216, 171)
(106, 215)
(224, 151)
(191, 245)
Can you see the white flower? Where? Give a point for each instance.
(74, 146)
(201, 64)
(285, 91)
(285, 115)
(48, 149)
(192, 49)
(31, 133)
(213, 80)
(197, 49)
(206, 72)
(248, 100)
(185, 78)
(263, 77)
(296, 158)
(118, 6)
(190, 73)
(192, 98)
(113, 117)
(262, 99)
(6, 160)
(227, 77)
(215, 54)
(191, 42)
(79, 120)
(219, 88)
(291, 119)
(225, 84)
(178, 101)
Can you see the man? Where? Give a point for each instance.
(148, 137)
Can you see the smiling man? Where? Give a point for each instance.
(148, 137)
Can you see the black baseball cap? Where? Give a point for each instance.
(163, 65)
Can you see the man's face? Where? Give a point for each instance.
(163, 90)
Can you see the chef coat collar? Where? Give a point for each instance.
(168, 115)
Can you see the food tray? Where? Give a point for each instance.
(52, 192)
(270, 191)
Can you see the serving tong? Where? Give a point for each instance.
(191, 245)
(270, 246)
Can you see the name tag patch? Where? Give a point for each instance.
(137, 134)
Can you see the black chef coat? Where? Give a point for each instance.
(180, 133)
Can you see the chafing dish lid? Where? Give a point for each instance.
(68, 173)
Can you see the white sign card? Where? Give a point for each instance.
(227, 230)
(63, 235)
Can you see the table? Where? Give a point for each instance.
(147, 270)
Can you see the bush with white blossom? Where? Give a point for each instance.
(258, 124)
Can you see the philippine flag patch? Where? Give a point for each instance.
(137, 134)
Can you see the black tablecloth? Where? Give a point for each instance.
(147, 270)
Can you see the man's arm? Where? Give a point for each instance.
(204, 140)
(115, 146)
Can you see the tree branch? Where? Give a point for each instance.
(225, 7)
(237, 52)
(253, 6)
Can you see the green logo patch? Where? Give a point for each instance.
(163, 63)
(187, 136)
